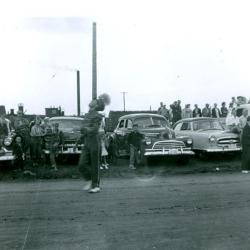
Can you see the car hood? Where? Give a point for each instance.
(219, 133)
(155, 132)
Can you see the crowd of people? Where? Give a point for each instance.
(30, 138)
(176, 112)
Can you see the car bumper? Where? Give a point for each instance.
(153, 152)
(64, 152)
(215, 150)
(6, 157)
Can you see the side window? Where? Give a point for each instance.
(128, 124)
(121, 124)
(178, 127)
(185, 126)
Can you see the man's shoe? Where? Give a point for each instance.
(132, 166)
(87, 186)
(94, 190)
(244, 171)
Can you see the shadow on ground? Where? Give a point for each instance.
(68, 168)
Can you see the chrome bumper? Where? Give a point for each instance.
(214, 150)
(64, 152)
(6, 157)
(152, 152)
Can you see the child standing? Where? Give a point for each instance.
(18, 153)
(104, 153)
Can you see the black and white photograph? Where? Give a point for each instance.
(124, 125)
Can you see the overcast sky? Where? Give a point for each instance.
(195, 51)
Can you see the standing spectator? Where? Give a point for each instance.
(3, 130)
(224, 110)
(176, 110)
(160, 108)
(231, 106)
(51, 140)
(196, 111)
(232, 122)
(134, 141)
(21, 126)
(206, 111)
(234, 102)
(18, 153)
(89, 163)
(104, 152)
(216, 111)
(179, 110)
(187, 112)
(36, 134)
(243, 119)
(245, 163)
(165, 112)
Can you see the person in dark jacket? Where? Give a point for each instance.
(216, 113)
(3, 130)
(89, 162)
(196, 111)
(224, 110)
(18, 153)
(245, 163)
(134, 140)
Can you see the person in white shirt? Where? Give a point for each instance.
(232, 122)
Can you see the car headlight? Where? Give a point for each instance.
(212, 139)
(7, 141)
(148, 141)
(189, 141)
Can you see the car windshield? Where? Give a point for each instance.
(68, 125)
(149, 122)
(207, 125)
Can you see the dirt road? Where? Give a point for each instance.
(196, 211)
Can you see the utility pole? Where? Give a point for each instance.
(94, 70)
(78, 93)
(124, 103)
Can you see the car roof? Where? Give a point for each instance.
(76, 118)
(196, 119)
(140, 115)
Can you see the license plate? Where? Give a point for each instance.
(232, 146)
(173, 151)
(70, 150)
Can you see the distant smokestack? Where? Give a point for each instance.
(78, 93)
(94, 70)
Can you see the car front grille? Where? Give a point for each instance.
(168, 144)
(228, 141)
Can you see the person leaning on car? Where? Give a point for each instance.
(134, 140)
(245, 163)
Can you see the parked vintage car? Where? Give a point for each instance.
(6, 147)
(208, 135)
(70, 134)
(159, 139)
